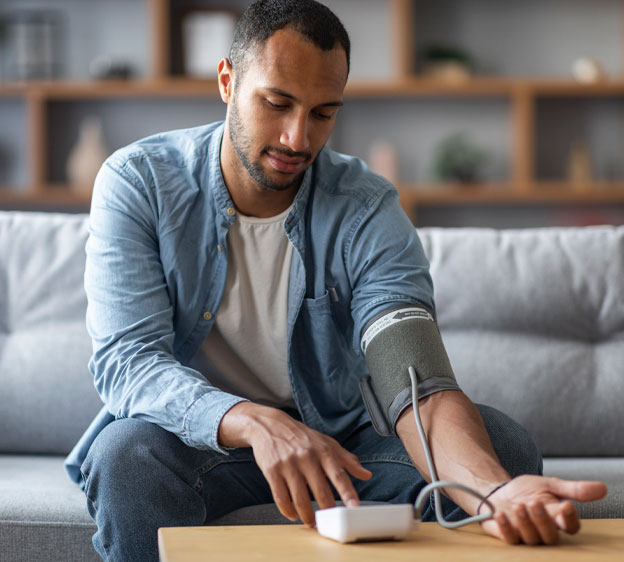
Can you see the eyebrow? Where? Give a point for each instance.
(284, 94)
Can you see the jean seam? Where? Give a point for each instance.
(91, 503)
(387, 458)
(210, 465)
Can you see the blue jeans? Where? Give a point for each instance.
(138, 477)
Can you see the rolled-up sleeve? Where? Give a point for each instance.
(387, 263)
(130, 317)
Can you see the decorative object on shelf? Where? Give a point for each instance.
(446, 63)
(104, 67)
(207, 36)
(87, 156)
(588, 71)
(32, 44)
(580, 166)
(383, 160)
(457, 159)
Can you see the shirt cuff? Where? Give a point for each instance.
(202, 419)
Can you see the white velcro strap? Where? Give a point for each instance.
(391, 318)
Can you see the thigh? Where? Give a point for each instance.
(395, 479)
(134, 462)
(231, 481)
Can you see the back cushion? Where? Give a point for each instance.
(47, 397)
(533, 321)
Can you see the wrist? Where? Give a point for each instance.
(487, 497)
(237, 425)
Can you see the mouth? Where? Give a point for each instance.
(286, 164)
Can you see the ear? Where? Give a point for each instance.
(225, 80)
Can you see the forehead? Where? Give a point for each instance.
(290, 62)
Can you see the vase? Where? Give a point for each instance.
(87, 156)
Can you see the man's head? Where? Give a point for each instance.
(283, 88)
(263, 18)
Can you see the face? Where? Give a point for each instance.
(281, 111)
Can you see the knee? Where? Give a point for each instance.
(123, 450)
(514, 445)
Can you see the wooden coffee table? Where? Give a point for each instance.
(599, 539)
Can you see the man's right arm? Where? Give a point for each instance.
(130, 316)
(292, 458)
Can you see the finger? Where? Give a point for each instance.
(567, 518)
(579, 490)
(508, 533)
(353, 465)
(281, 497)
(300, 497)
(544, 524)
(525, 526)
(341, 481)
(317, 481)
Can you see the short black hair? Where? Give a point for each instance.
(311, 19)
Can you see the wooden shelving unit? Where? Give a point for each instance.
(520, 93)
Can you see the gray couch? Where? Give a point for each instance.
(533, 321)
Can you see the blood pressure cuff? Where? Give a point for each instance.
(397, 339)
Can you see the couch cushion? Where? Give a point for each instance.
(47, 397)
(43, 515)
(533, 321)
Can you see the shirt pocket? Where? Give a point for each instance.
(318, 343)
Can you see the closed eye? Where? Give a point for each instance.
(322, 116)
(276, 105)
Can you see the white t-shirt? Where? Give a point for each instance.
(246, 352)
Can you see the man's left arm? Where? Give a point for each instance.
(529, 509)
(388, 267)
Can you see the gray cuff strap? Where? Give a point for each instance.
(404, 398)
(398, 340)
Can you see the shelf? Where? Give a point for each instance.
(496, 194)
(91, 89)
(526, 119)
(422, 86)
(48, 196)
(406, 87)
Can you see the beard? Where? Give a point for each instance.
(243, 147)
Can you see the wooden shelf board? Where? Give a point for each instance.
(572, 88)
(486, 194)
(423, 86)
(404, 87)
(42, 196)
(92, 89)
(411, 194)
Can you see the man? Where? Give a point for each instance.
(232, 273)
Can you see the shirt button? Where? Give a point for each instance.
(231, 211)
(219, 247)
(207, 315)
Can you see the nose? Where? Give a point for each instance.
(295, 133)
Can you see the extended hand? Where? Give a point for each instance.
(293, 458)
(532, 509)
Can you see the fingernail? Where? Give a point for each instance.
(352, 503)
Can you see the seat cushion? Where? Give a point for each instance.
(43, 515)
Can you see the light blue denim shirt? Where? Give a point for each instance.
(156, 273)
